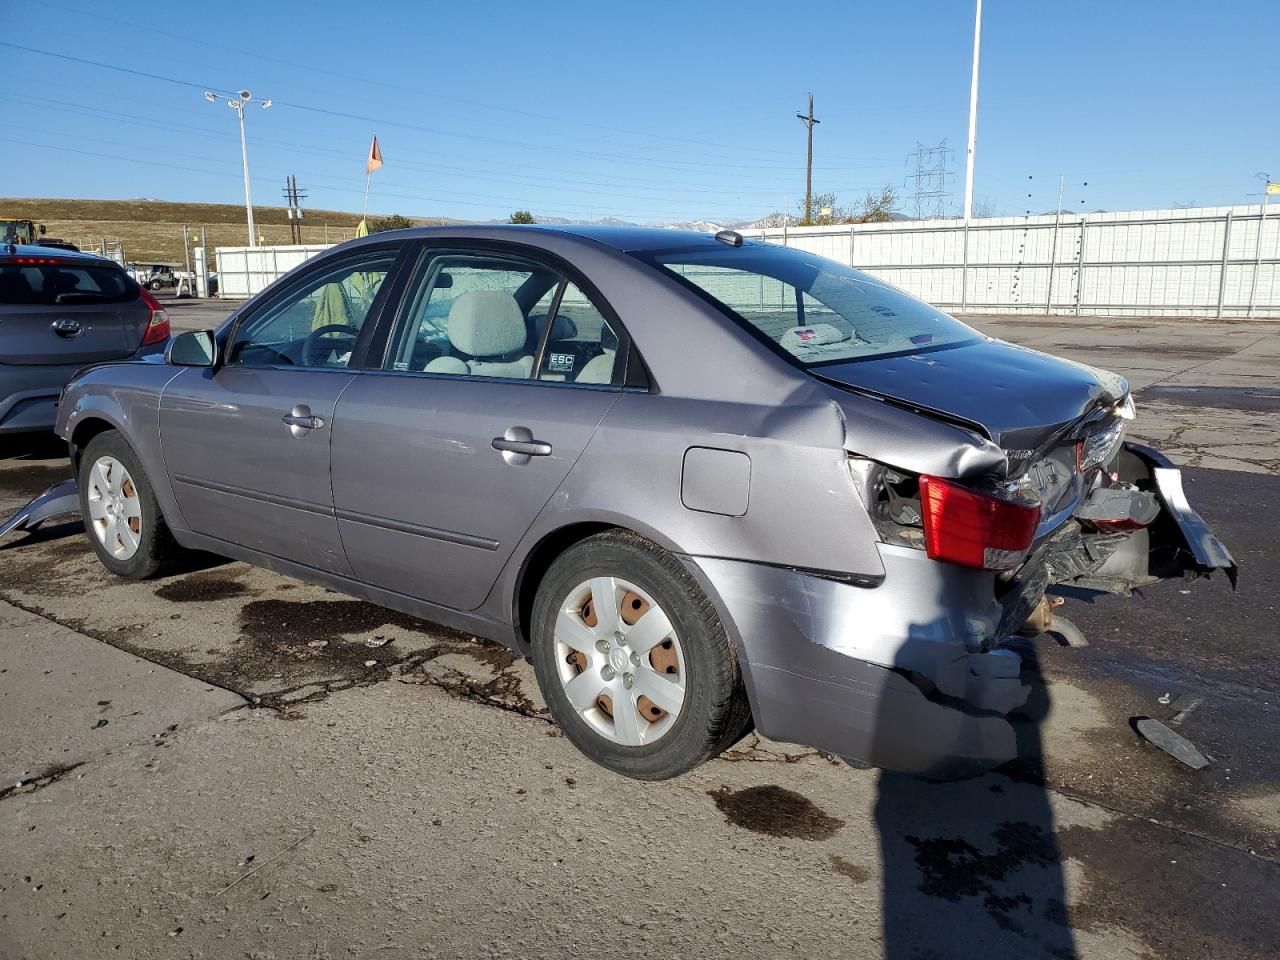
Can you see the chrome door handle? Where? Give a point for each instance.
(307, 422)
(517, 445)
(529, 448)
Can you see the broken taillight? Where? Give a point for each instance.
(975, 529)
(158, 326)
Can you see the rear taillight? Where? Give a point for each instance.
(158, 325)
(974, 529)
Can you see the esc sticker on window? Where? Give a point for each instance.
(560, 362)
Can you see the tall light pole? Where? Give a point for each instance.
(973, 115)
(238, 103)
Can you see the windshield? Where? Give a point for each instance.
(812, 309)
(15, 231)
(63, 283)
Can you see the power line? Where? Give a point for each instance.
(930, 179)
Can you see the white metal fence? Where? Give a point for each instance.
(244, 271)
(1206, 262)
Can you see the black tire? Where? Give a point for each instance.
(155, 284)
(157, 549)
(715, 713)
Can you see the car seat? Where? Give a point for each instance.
(487, 326)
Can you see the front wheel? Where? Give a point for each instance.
(120, 510)
(633, 661)
(155, 285)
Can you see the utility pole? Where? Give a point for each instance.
(973, 115)
(294, 197)
(809, 121)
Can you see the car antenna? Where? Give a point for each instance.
(730, 237)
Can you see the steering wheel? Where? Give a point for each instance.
(312, 347)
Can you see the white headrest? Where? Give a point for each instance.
(486, 323)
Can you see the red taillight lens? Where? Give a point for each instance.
(973, 529)
(158, 326)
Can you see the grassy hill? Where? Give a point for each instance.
(151, 230)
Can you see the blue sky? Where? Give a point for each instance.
(640, 111)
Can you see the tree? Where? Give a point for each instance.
(393, 222)
(877, 207)
(522, 216)
(815, 217)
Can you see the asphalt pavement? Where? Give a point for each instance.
(229, 763)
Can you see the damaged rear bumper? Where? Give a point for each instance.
(899, 676)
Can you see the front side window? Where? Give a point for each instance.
(490, 315)
(317, 324)
(811, 309)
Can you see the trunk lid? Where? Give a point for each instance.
(1021, 399)
(55, 311)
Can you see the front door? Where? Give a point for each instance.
(442, 460)
(247, 445)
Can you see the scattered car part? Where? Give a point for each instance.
(1174, 744)
(1184, 706)
(60, 499)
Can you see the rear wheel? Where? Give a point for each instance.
(121, 514)
(633, 661)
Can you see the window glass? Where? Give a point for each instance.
(812, 309)
(64, 283)
(317, 324)
(484, 315)
(582, 347)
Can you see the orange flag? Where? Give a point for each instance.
(375, 156)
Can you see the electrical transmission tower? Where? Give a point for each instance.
(928, 185)
(294, 196)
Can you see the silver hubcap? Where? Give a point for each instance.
(115, 512)
(620, 661)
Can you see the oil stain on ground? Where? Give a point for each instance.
(202, 587)
(854, 871)
(775, 812)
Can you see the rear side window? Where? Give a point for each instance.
(810, 309)
(47, 284)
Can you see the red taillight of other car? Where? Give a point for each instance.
(973, 529)
(158, 325)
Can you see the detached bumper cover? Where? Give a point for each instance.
(892, 675)
(1199, 543)
(62, 498)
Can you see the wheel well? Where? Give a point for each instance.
(536, 565)
(85, 431)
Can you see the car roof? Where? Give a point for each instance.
(58, 253)
(624, 239)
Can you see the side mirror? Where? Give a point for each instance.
(42, 229)
(195, 348)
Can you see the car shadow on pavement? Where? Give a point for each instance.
(973, 869)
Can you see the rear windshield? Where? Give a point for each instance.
(64, 283)
(811, 309)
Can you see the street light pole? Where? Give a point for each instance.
(973, 115)
(244, 160)
(238, 103)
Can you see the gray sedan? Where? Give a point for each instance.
(701, 482)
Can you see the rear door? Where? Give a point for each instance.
(66, 311)
(443, 458)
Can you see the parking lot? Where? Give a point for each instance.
(226, 762)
